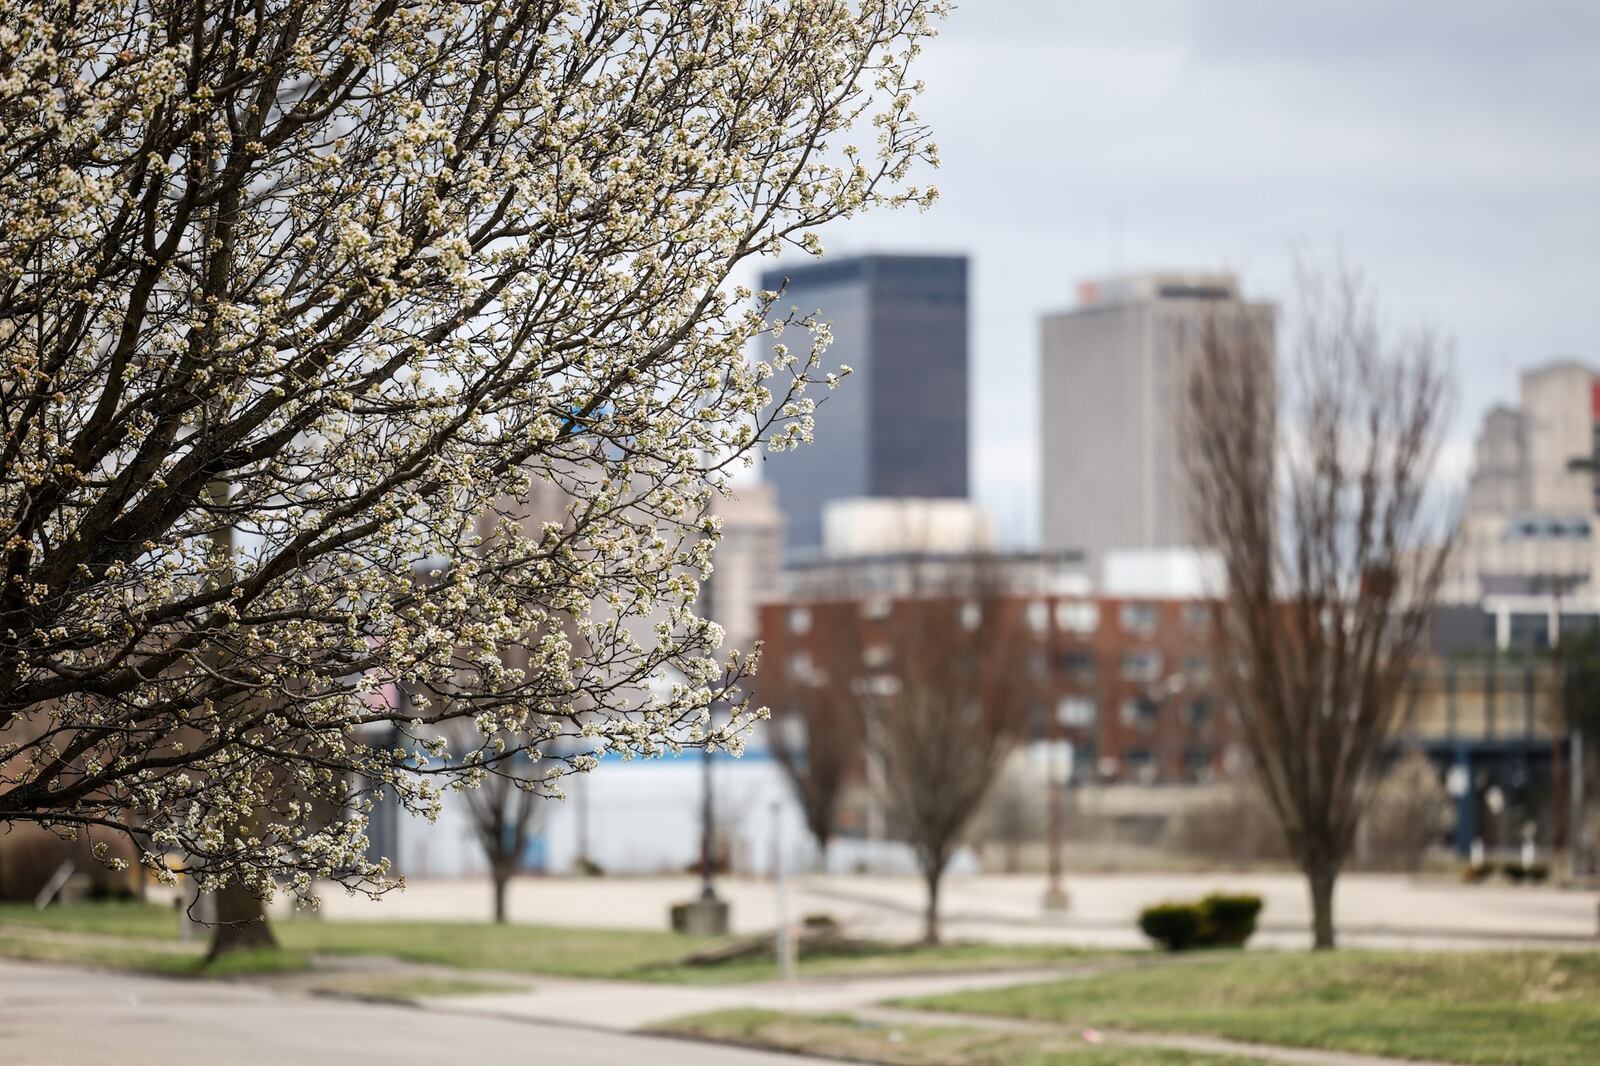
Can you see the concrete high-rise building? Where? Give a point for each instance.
(748, 563)
(1112, 376)
(1529, 526)
(898, 425)
(1499, 481)
(1558, 413)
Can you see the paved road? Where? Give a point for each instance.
(50, 1016)
(1372, 910)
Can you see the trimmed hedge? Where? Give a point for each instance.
(1217, 921)
(1230, 920)
(1175, 926)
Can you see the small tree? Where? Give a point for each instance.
(816, 728)
(948, 709)
(507, 810)
(1332, 566)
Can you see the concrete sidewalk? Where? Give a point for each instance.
(54, 1015)
(628, 1005)
(1381, 911)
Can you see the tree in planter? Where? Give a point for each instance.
(373, 268)
(1331, 563)
(949, 707)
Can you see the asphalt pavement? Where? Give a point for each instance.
(55, 1016)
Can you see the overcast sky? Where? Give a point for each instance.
(1450, 148)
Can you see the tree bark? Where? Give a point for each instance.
(502, 877)
(930, 919)
(241, 923)
(1320, 879)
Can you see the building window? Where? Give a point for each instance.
(876, 655)
(1139, 711)
(1196, 669)
(876, 608)
(799, 619)
(1077, 616)
(1039, 617)
(1198, 712)
(1079, 666)
(1199, 765)
(1141, 665)
(1139, 618)
(1077, 711)
(805, 670)
(1197, 616)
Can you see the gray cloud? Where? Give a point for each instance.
(1447, 147)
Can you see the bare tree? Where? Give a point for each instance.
(507, 810)
(373, 267)
(1322, 521)
(816, 730)
(949, 707)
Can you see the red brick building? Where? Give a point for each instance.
(1126, 681)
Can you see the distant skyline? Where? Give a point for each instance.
(1447, 148)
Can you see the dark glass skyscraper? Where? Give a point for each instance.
(898, 425)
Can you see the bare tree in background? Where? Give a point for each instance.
(948, 709)
(816, 727)
(1332, 564)
(507, 810)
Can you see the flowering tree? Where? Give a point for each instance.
(292, 292)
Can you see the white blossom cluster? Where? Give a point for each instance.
(302, 302)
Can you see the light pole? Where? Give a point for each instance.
(708, 829)
(1055, 894)
(706, 915)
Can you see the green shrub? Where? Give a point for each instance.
(1228, 920)
(1514, 872)
(1175, 926)
(1537, 872)
(1219, 920)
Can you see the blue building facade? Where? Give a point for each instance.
(898, 426)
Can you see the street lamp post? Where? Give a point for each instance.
(1055, 895)
(708, 831)
(706, 915)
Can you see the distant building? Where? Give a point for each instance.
(856, 527)
(1528, 527)
(748, 563)
(1127, 682)
(898, 425)
(1112, 376)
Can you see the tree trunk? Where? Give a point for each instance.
(930, 920)
(1320, 879)
(502, 877)
(241, 922)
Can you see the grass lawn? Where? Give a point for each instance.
(644, 955)
(176, 960)
(1534, 1008)
(840, 1036)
